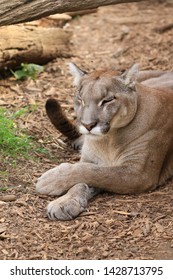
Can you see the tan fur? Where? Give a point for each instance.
(127, 123)
(102, 73)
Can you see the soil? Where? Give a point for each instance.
(114, 226)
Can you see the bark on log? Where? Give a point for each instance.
(32, 44)
(17, 11)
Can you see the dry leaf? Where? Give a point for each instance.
(159, 227)
(3, 228)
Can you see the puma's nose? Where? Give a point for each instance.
(89, 126)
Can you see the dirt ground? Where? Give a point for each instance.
(114, 226)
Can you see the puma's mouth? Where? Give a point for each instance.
(97, 130)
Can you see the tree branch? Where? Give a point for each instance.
(17, 11)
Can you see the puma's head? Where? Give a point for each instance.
(104, 100)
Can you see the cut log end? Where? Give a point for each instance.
(32, 44)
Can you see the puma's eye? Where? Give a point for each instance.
(107, 100)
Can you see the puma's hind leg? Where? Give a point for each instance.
(70, 205)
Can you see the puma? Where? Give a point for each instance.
(126, 123)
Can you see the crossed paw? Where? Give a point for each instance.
(70, 205)
(55, 181)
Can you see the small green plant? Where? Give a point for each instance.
(13, 141)
(28, 70)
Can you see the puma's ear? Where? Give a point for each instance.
(76, 72)
(129, 76)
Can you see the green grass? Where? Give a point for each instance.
(16, 144)
(3, 180)
(13, 141)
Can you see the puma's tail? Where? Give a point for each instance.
(59, 119)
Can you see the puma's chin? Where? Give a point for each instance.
(99, 131)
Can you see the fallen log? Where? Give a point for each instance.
(82, 12)
(32, 44)
(17, 11)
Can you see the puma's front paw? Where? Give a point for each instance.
(55, 181)
(70, 205)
